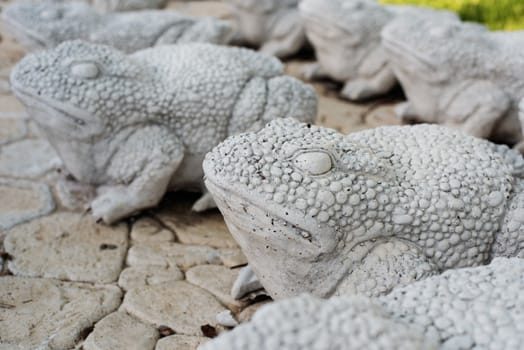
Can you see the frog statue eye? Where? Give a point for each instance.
(313, 162)
(85, 70)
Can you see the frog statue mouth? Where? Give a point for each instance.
(71, 131)
(322, 14)
(401, 50)
(253, 218)
(288, 256)
(62, 119)
(319, 12)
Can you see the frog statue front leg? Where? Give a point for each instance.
(287, 36)
(141, 170)
(375, 77)
(386, 265)
(475, 107)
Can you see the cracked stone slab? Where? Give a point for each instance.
(180, 342)
(207, 228)
(28, 158)
(178, 305)
(217, 280)
(202, 8)
(27, 200)
(5, 87)
(46, 314)
(11, 107)
(12, 129)
(146, 230)
(67, 246)
(148, 275)
(232, 257)
(119, 331)
(382, 115)
(168, 254)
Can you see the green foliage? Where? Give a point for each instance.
(496, 14)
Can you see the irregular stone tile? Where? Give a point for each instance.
(178, 305)
(217, 280)
(48, 314)
(11, 129)
(206, 228)
(73, 195)
(246, 314)
(341, 116)
(202, 8)
(27, 200)
(180, 342)
(5, 87)
(5, 70)
(382, 115)
(119, 331)
(67, 246)
(334, 112)
(232, 257)
(28, 158)
(11, 107)
(169, 254)
(149, 230)
(148, 275)
(10, 50)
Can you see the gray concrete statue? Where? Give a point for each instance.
(319, 212)
(136, 125)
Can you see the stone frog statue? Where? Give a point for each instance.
(136, 125)
(45, 24)
(346, 38)
(459, 74)
(272, 25)
(471, 308)
(319, 212)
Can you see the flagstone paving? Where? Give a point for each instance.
(157, 281)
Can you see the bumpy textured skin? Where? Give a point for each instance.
(47, 23)
(127, 5)
(346, 38)
(137, 124)
(309, 323)
(316, 211)
(274, 26)
(458, 74)
(470, 308)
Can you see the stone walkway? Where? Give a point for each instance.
(157, 281)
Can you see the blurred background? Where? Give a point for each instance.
(496, 14)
